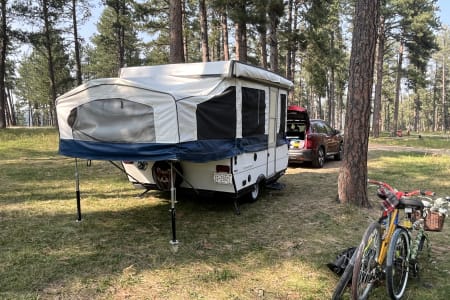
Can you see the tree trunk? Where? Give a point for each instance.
(273, 42)
(435, 111)
(379, 84)
(332, 98)
(11, 105)
(119, 8)
(224, 24)
(204, 31)
(3, 49)
(397, 89)
(185, 36)
(176, 54)
(51, 69)
(352, 181)
(262, 32)
(294, 53)
(290, 43)
(444, 111)
(417, 106)
(77, 43)
(241, 53)
(217, 53)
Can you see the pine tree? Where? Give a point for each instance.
(352, 181)
(34, 84)
(116, 45)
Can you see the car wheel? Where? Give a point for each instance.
(319, 160)
(339, 155)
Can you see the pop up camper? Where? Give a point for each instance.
(220, 125)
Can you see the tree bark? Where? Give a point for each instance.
(241, 53)
(379, 84)
(204, 31)
(417, 106)
(77, 43)
(273, 42)
(397, 89)
(224, 24)
(352, 181)
(435, 111)
(290, 43)
(185, 37)
(3, 49)
(11, 105)
(51, 69)
(444, 111)
(332, 98)
(176, 54)
(263, 45)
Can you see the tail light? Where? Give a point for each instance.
(222, 169)
(308, 143)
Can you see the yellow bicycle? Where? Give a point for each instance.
(390, 246)
(387, 247)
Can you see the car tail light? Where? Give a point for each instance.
(308, 143)
(222, 169)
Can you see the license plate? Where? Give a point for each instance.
(223, 178)
(408, 210)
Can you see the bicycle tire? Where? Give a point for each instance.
(345, 279)
(397, 263)
(365, 269)
(421, 257)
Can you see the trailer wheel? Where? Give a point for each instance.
(255, 191)
(161, 175)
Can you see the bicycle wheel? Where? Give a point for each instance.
(420, 255)
(365, 269)
(345, 278)
(397, 264)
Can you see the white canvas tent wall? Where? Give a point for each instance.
(161, 112)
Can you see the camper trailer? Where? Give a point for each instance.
(216, 126)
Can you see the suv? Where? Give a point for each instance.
(311, 140)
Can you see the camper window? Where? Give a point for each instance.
(116, 120)
(253, 111)
(216, 118)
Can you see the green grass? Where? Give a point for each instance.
(276, 249)
(434, 141)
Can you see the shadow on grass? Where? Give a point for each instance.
(45, 249)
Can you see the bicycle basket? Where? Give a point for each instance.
(434, 221)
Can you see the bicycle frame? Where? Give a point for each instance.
(374, 256)
(392, 220)
(380, 239)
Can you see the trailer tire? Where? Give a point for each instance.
(161, 174)
(255, 191)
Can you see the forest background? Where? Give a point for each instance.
(306, 41)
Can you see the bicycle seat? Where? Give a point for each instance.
(410, 202)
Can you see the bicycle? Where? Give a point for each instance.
(388, 248)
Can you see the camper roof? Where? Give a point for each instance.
(195, 79)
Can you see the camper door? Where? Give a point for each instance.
(276, 130)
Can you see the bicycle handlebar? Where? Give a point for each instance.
(400, 194)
